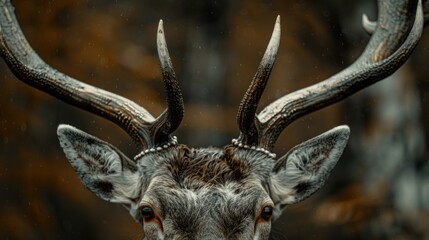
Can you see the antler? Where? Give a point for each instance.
(396, 34)
(145, 130)
(247, 122)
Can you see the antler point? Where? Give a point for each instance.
(160, 27)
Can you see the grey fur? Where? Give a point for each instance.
(102, 168)
(305, 168)
(206, 193)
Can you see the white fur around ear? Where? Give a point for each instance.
(304, 169)
(102, 168)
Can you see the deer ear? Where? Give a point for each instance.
(304, 169)
(102, 168)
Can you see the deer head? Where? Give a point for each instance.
(234, 192)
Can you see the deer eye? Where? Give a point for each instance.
(147, 213)
(267, 213)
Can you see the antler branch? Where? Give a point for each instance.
(134, 119)
(395, 36)
(246, 119)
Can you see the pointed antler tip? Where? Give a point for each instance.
(365, 20)
(160, 26)
(275, 38)
(277, 25)
(160, 35)
(367, 24)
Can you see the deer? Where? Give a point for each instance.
(235, 192)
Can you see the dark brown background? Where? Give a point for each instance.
(379, 190)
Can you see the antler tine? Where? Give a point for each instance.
(31, 69)
(382, 57)
(246, 117)
(170, 119)
(368, 25)
(384, 7)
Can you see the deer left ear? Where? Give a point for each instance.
(101, 167)
(304, 169)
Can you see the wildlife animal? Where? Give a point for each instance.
(176, 191)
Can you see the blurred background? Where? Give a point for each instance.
(379, 189)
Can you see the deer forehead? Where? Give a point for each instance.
(192, 178)
(206, 213)
(187, 168)
(238, 199)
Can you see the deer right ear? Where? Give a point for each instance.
(102, 168)
(304, 169)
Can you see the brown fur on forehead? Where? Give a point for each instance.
(260, 163)
(199, 167)
(195, 168)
